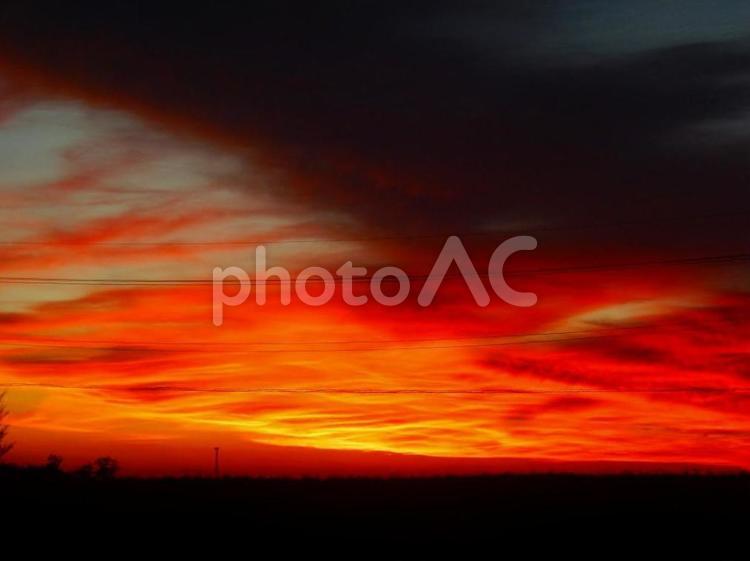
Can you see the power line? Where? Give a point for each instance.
(427, 235)
(379, 391)
(686, 261)
(374, 349)
(64, 343)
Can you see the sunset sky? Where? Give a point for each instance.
(142, 147)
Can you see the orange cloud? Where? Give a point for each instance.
(620, 365)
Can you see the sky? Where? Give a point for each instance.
(142, 146)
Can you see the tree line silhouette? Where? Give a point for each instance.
(101, 468)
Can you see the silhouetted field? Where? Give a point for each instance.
(695, 513)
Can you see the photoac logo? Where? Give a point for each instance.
(347, 275)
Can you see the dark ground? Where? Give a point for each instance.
(704, 515)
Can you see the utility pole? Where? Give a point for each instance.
(216, 462)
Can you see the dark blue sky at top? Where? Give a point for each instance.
(589, 30)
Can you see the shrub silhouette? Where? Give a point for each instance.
(54, 463)
(105, 467)
(86, 471)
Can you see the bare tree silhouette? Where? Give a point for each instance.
(5, 447)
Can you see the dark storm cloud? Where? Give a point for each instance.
(395, 116)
